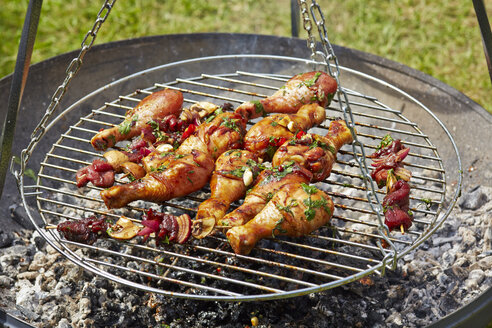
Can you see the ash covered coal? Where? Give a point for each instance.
(452, 268)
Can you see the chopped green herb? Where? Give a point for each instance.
(387, 140)
(189, 180)
(230, 123)
(278, 227)
(214, 115)
(311, 82)
(126, 125)
(309, 189)
(287, 209)
(273, 123)
(310, 212)
(259, 109)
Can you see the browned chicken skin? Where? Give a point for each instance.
(312, 87)
(268, 183)
(234, 171)
(315, 153)
(264, 137)
(187, 170)
(296, 210)
(155, 106)
(179, 177)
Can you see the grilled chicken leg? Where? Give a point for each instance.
(186, 171)
(307, 88)
(296, 210)
(315, 153)
(234, 171)
(269, 182)
(155, 106)
(267, 135)
(181, 176)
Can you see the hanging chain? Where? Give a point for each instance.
(71, 71)
(310, 14)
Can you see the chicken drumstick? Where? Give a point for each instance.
(312, 87)
(296, 210)
(267, 135)
(155, 106)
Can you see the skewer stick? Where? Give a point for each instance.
(50, 226)
(402, 229)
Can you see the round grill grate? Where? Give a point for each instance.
(345, 250)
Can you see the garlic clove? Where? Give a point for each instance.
(247, 177)
(164, 148)
(291, 126)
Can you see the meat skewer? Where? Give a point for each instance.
(389, 171)
(307, 88)
(155, 106)
(296, 210)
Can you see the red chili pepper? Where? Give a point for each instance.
(300, 134)
(281, 168)
(189, 130)
(280, 141)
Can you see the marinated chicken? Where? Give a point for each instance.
(185, 171)
(308, 88)
(296, 210)
(268, 183)
(155, 106)
(314, 152)
(267, 135)
(235, 171)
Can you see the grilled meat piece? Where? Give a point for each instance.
(296, 210)
(312, 87)
(86, 230)
(267, 135)
(155, 106)
(185, 171)
(388, 157)
(314, 152)
(179, 176)
(396, 206)
(268, 183)
(100, 173)
(235, 170)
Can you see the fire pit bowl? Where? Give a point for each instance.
(112, 61)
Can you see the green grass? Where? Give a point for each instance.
(440, 38)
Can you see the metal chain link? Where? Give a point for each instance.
(71, 71)
(314, 14)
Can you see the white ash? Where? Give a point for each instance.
(449, 270)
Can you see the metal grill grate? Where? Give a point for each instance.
(343, 251)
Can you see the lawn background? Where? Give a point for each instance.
(440, 38)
